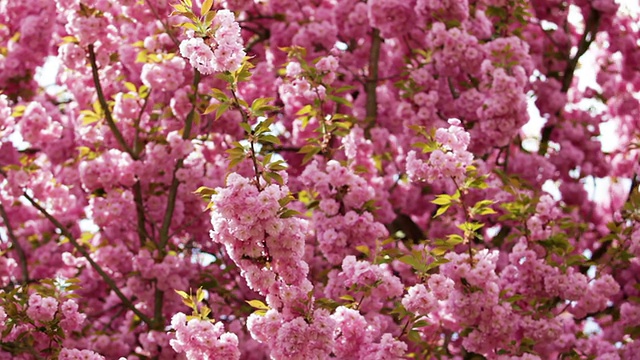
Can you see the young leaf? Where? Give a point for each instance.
(206, 6)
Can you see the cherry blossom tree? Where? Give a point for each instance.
(320, 179)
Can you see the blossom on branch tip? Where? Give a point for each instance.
(224, 52)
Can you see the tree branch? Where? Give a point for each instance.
(590, 32)
(16, 244)
(134, 153)
(602, 250)
(143, 235)
(173, 189)
(110, 282)
(105, 107)
(371, 84)
(158, 320)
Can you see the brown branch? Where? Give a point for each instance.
(134, 153)
(158, 319)
(371, 83)
(105, 107)
(136, 140)
(175, 183)
(590, 32)
(602, 250)
(143, 235)
(108, 280)
(158, 304)
(16, 244)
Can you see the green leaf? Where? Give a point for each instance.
(442, 200)
(309, 151)
(206, 6)
(427, 147)
(89, 119)
(142, 57)
(236, 151)
(200, 295)
(454, 239)
(486, 211)
(305, 110)
(182, 294)
(246, 127)
(412, 261)
(441, 210)
(344, 89)
(188, 25)
(270, 175)
(439, 251)
(203, 190)
(208, 18)
(363, 249)
(144, 91)
(263, 126)
(289, 213)
(347, 298)
(269, 139)
(421, 323)
(221, 110)
(340, 100)
(211, 108)
(18, 110)
(131, 87)
(257, 304)
(219, 95)
(259, 105)
(515, 298)
(277, 165)
(414, 336)
(285, 200)
(179, 8)
(470, 226)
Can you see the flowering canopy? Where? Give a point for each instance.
(326, 179)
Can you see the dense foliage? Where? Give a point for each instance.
(319, 179)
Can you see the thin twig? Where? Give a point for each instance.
(468, 218)
(252, 149)
(136, 140)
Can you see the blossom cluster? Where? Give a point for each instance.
(223, 52)
(339, 179)
(202, 339)
(264, 245)
(450, 160)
